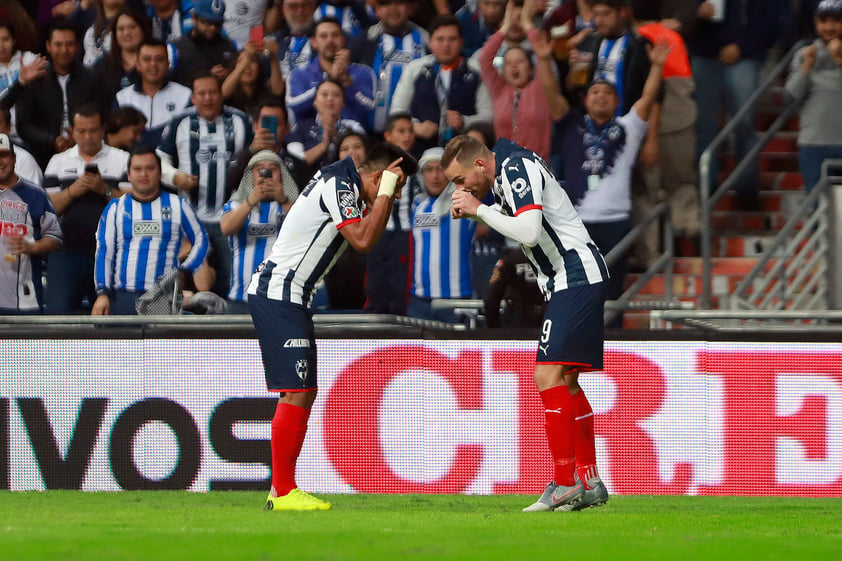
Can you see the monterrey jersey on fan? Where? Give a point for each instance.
(250, 246)
(442, 248)
(310, 241)
(206, 149)
(392, 55)
(139, 242)
(565, 255)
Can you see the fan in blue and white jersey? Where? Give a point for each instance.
(139, 237)
(441, 243)
(391, 44)
(353, 16)
(252, 219)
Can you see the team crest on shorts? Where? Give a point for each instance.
(301, 369)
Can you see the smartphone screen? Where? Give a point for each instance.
(256, 34)
(270, 123)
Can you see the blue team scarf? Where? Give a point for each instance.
(601, 146)
(604, 72)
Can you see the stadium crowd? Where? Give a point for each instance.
(241, 102)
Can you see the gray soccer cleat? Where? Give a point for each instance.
(597, 495)
(557, 497)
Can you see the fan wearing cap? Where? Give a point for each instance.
(252, 220)
(815, 79)
(441, 244)
(29, 230)
(599, 150)
(205, 49)
(325, 219)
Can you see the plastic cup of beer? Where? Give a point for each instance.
(580, 67)
(559, 36)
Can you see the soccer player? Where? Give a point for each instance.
(326, 217)
(532, 209)
(139, 236)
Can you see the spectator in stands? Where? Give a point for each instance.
(241, 16)
(576, 18)
(389, 262)
(25, 32)
(270, 131)
(314, 140)
(482, 131)
(80, 182)
(124, 128)
(26, 167)
(13, 62)
(521, 112)
(204, 50)
(170, 19)
(203, 161)
(441, 92)
(599, 151)
(30, 231)
(727, 51)
(117, 68)
(478, 22)
(153, 95)
(253, 77)
(441, 244)
(816, 81)
(97, 39)
(45, 104)
(391, 44)
(127, 262)
(514, 282)
(252, 220)
(353, 15)
(514, 37)
(332, 61)
(294, 47)
(353, 144)
(671, 175)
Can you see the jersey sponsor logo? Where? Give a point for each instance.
(399, 57)
(16, 206)
(146, 228)
(262, 230)
(297, 344)
(203, 155)
(12, 229)
(520, 187)
(426, 221)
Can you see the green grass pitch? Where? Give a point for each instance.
(69, 526)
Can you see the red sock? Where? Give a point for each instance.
(289, 426)
(584, 438)
(558, 409)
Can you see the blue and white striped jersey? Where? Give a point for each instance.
(401, 220)
(351, 25)
(393, 53)
(206, 149)
(310, 242)
(252, 243)
(565, 255)
(442, 248)
(138, 242)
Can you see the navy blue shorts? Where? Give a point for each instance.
(573, 330)
(287, 342)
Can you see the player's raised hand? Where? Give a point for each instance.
(464, 204)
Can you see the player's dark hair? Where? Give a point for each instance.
(443, 21)
(327, 19)
(62, 25)
(613, 4)
(486, 129)
(646, 10)
(140, 150)
(123, 117)
(384, 153)
(152, 42)
(394, 118)
(86, 109)
(202, 75)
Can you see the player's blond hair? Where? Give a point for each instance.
(464, 149)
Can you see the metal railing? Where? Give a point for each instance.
(708, 199)
(793, 272)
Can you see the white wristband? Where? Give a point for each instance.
(388, 182)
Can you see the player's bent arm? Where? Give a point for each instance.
(363, 234)
(524, 228)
